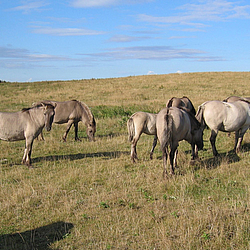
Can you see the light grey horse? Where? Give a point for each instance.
(225, 117)
(72, 112)
(26, 125)
(141, 122)
(183, 103)
(234, 99)
(174, 125)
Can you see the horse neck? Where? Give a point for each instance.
(87, 116)
(37, 116)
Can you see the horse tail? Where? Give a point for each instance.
(168, 131)
(199, 115)
(131, 129)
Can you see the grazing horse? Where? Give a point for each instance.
(236, 98)
(174, 125)
(26, 125)
(225, 117)
(72, 112)
(138, 123)
(183, 103)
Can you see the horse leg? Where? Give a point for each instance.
(194, 151)
(238, 139)
(70, 122)
(165, 158)
(173, 156)
(133, 150)
(212, 141)
(153, 147)
(27, 152)
(133, 146)
(76, 131)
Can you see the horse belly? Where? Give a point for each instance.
(235, 122)
(11, 127)
(7, 134)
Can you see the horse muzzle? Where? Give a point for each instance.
(48, 128)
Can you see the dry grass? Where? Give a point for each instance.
(88, 195)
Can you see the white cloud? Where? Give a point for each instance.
(66, 31)
(159, 53)
(197, 14)
(124, 38)
(30, 6)
(104, 3)
(150, 72)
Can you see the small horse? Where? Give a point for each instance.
(26, 125)
(72, 112)
(182, 103)
(225, 117)
(141, 122)
(174, 125)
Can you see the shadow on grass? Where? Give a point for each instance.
(36, 239)
(72, 157)
(214, 162)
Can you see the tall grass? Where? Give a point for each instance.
(89, 195)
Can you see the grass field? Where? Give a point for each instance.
(89, 195)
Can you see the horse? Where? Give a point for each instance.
(236, 98)
(26, 125)
(183, 103)
(141, 122)
(225, 117)
(72, 112)
(174, 125)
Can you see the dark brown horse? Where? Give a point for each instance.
(72, 112)
(26, 125)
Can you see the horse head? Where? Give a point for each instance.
(49, 113)
(91, 129)
(198, 138)
(196, 131)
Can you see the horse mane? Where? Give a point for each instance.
(38, 105)
(170, 102)
(193, 108)
(88, 111)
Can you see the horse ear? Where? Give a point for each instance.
(55, 104)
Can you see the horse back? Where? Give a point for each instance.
(225, 116)
(68, 110)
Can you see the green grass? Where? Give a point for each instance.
(89, 195)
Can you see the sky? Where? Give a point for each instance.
(82, 39)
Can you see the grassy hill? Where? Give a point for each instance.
(89, 195)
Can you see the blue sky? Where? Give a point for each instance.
(81, 39)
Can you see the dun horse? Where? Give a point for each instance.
(72, 112)
(183, 103)
(26, 125)
(174, 125)
(225, 117)
(236, 98)
(138, 123)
